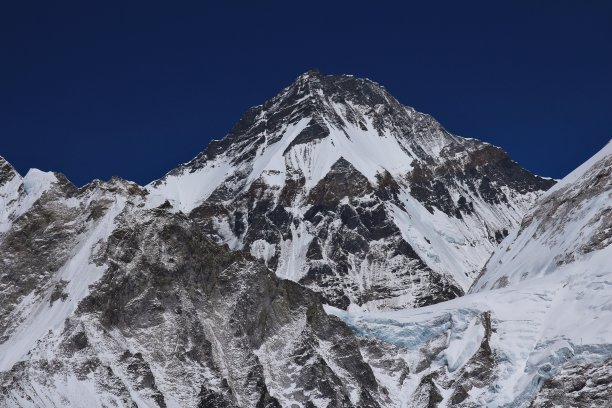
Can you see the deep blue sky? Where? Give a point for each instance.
(95, 89)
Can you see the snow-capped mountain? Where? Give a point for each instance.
(207, 287)
(105, 302)
(536, 328)
(337, 186)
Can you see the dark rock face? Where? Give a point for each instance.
(427, 394)
(577, 385)
(483, 172)
(314, 131)
(38, 244)
(354, 230)
(342, 180)
(346, 231)
(7, 172)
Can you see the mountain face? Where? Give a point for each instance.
(336, 185)
(108, 302)
(535, 329)
(335, 249)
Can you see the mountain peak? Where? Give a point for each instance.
(340, 100)
(335, 150)
(7, 171)
(309, 75)
(306, 128)
(315, 84)
(329, 102)
(327, 80)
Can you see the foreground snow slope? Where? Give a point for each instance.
(546, 294)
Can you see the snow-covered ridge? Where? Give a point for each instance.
(580, 171)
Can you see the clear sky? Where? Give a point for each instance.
(100, 88)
